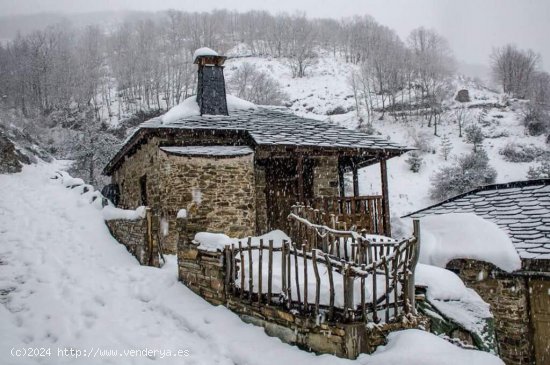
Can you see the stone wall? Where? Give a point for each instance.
(134, 235)
(143, 162)
(220, 192)
(204, 273)
(325, 176)
(201, 271)
(509, 299)
(347, 340)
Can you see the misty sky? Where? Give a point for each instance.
(472, 27)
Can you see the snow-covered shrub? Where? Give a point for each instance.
(536, 121)
(415, 161)
(515, 152)
(474, 135)
(422, 140)
(541, 171)
(338, 110)
(468, 172)
(496, 133)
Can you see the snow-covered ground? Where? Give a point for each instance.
(65, 284)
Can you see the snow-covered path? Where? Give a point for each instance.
(66, 283)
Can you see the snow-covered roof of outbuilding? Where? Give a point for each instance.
(521, 209)
(265, 125)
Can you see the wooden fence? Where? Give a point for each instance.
(357, 281)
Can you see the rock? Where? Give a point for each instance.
(11, 160)
(463, 96)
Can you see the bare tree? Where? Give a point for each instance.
(256, 86)
(462, 116)
(300, 47)
(514, 68)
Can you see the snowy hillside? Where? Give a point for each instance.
(67, 285)
(326, 89)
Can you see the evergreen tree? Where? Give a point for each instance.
(446, 147)
(415, 161)
(474, 135)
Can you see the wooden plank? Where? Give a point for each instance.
(270, 272)
(260, 263)
(363, 304)
(374, 294)
(288, 275)
(227, 254)
(385, 197)
(331, 287)
(296, 274)
(233, 269)
(317, 281)
(387, 294)
(395, 267)
(250, 272)
(241, 255)
(414, 262)
(283, 267)
(305, 277)
(405, 287)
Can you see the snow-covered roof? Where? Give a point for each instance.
(214, 151)
(267, 126)
(204, 51)
(445, 237)
(521, 209)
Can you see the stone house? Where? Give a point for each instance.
(520, 301)
(237, 168)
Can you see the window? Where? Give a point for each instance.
(143, 189)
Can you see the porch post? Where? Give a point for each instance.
(355, 180)
(385, 197)
(341, 184)
(300, 173)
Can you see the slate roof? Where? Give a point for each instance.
(521, 209)
(213, 151)
(276, 126)
(271, 126)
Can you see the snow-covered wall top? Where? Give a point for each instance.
(217, 241)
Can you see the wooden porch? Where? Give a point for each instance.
(292, 181)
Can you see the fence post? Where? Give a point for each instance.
(414, 261)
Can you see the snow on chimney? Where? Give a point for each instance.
(211, 83)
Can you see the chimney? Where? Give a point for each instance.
(211, 83)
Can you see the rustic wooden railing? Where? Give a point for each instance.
(316, 284)
(307, 226)
(361, 212)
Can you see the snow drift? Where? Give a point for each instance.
(465, 236)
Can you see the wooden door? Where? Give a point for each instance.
(281, 191)
(540, 317)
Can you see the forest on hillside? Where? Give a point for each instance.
(78, 89)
